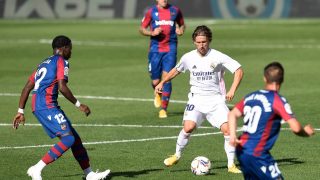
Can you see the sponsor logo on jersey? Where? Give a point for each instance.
(201, 73)
(194, 67)
(164, 22)
(203, 76)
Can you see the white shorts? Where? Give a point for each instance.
(213, 108)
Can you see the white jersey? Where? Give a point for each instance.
(206, 72)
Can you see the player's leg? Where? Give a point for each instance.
(182, 141)
(168, 63)
(154, 69)
(192, 119)
(219, 119)
(55, 124)
(184, 135)
(81, 155)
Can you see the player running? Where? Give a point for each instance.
(263, 111)
(165, 22)
(50, 77)
(207, 93)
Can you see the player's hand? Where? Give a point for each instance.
(234, 141)
(179, 31)
(309, 130)
(229, 96)
(156, 31)
(19, 118)
(84, 108)
(158, 89)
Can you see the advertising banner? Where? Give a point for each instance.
(129, 9)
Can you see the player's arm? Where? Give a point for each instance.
(233, 116)
(296, 128)
(19, 117)
(180, 30)
(66, 92)
(147, 32)
(237, 77)
(144, 30)
(180, 25)
(172, 74)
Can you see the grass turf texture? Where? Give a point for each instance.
(110, 59)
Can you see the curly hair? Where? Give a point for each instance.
(60, 41)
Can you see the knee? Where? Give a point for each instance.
(225, 129)
(68, 140)
(189, 128)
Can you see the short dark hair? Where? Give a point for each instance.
(202, 31)
(60, 41)
(274, 72)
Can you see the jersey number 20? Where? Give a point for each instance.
(251, 118)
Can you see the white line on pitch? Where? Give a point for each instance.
(112, 125)
(121, 141)
(109, 142)
(140, 43)
(110, 98)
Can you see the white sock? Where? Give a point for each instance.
(182, 141)
(230, 150)
(87, 171)
(40, 165)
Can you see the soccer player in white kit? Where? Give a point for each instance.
(207, 93)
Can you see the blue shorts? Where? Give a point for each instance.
(54, 121)
(159, 62)
(257, 167)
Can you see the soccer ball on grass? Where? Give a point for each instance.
(200, 165)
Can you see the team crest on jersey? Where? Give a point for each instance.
(287, 107)
(212, 65)
(63, 126)
(66, 71)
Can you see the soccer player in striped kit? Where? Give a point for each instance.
(50, 77)
(263, 111)
(165, 22)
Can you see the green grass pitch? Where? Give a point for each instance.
(109, 63)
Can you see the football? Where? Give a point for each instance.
(200, 165)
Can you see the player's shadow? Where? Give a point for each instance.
(132, 174)
(211, 173)
(175, 113)
(288, 161)
(129, 174)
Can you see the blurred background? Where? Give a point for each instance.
(128, 9)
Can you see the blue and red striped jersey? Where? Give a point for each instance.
(45, 77)
(166, 18)
(263, 111)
